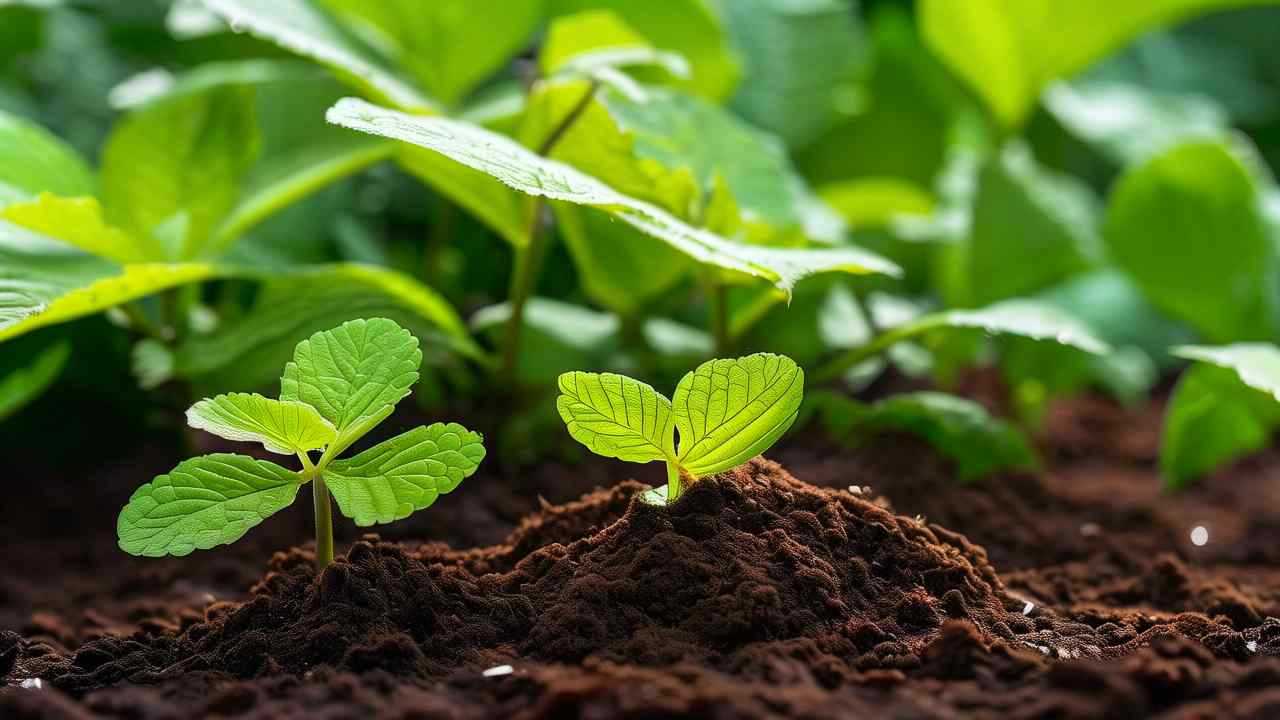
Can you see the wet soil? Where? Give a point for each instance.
(833, 583)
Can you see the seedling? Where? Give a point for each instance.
(340, 384)
(727, 412)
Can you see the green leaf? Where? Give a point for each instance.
(354, 375)
(1009, 50)
(729, 411)
(281, 426)
(616, 416)
(45, 282)
(26, 372)
(960, 429)
(172, 170)
(203, 502)
(556, 338)
(801, 57)
(397, 477)
(1030, 229)
(290, 307)
(503, 210)
(1188, 228)
(1130, 123)
(78, 222)
(523, 170)
(1223, 408)
(33, 160)
(688, 28)
(301, 28)
(589, 42)
(450, 46)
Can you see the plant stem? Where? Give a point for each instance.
(719, 300)
(323, 508)
(324, 522)
(673, 482)
(524, 276)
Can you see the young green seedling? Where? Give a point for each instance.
(340, 384)
(727, 412)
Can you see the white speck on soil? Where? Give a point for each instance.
(498, 671)
(1252, 645)
(1026, 609)
(1090, 530)
(31, 684)
(1199, 536)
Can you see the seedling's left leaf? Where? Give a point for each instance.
(1223, 408)
(616, 416)
(203, 502)
(354, 374)
(281, 426)
(395, 478)
(522, 169)
(729, 411)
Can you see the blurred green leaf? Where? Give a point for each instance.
(558, 337)
(27, 368)
(300, 27)
(1223, 408)
(1010, 50)
(449, 46)
(800, 58)
(79, 223)
(172, 170)
(590, 42)
(33, 160)
(688, 28)
(1188, 228)
(960, 429)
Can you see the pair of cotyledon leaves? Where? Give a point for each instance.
(727, 412)
(340, 385)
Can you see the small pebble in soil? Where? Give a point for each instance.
(1090, 530)
(498, 671)
(1252, 645)
(1026, 609)
(31, 684)
(1199, 536)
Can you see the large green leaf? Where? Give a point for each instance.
(1009, 50)
(1187, 226)
(800, 56)
(397, 477)
(449, 46)
(617, 416)
(594, 42)
(203, 502)
(173, 169)
(687, 27)
(1029, 230)
(282, 427)
(1223, 408)
(525, 171)
(729, 411)
(300, 27)
(353, 374)
(33, 160)
(960, 429)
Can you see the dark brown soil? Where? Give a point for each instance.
(1075, 592)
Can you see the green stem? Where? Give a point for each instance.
(139, 321)
(673, 482)
(524, 276)
(837, 366)
(323, 509)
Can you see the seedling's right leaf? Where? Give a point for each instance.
(522, 169)
(299, 27)
(33, 160)
(354, 374)
(281, 426)
(958, 428)
(1222, 409)
(395, 478)
(616, 416)
(729, 411)
(205, 501)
